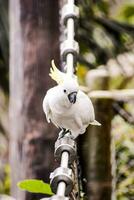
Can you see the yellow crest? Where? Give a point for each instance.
(56, 74)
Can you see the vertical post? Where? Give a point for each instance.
(62, 178)
(64, 163)
(34, 29)
(95, 148)
(70, 38)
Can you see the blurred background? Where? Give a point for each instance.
(29, 40)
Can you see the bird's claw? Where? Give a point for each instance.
(64, 133)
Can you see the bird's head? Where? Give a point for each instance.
(69, 89)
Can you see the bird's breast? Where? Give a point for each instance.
(60, 110)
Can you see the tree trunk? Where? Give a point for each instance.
(34, 41)
(95, 145)
(95, 154)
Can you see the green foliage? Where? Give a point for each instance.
(5, 183)
(101, 32)
(101, 7)
(81, 72)
(123, 135)
(35, 186)
(126, 13)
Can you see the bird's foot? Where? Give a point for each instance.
(63, 133)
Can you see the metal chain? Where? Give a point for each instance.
(63, 179)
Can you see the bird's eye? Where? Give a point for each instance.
(64, 91)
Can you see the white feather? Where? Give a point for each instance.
(75, 117)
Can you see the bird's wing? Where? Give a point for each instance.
(86, 100)
(86, 108)
(47, 109)
(56, 74)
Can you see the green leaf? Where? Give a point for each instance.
(35, 186)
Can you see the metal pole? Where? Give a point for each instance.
(64, 163)
(64, 159)
(61, 178)
(61, 189)
(70, 38)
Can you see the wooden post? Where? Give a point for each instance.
(95, 154)
(34, 41)
(95, 148)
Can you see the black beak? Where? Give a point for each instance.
(72, 97)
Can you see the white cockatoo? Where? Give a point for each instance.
(66, 106)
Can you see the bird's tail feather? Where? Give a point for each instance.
(95, 123)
